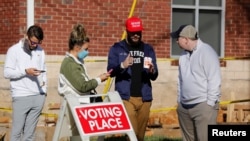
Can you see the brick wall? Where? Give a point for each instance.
(104, 20)
(10, 26)
(237, 33)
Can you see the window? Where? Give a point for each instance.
(207, 16)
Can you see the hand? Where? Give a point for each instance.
(127, 62)
(42, 84)
(32, 72)
(104, 76)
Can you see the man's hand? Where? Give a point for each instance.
(151, 67)
(127, 62)
(32, 71)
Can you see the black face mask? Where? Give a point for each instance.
(131, 35)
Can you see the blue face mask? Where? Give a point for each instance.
(81, 55)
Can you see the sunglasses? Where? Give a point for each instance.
(135, 33)
(35, 43)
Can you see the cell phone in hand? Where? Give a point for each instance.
(110, 71)
(41, 71)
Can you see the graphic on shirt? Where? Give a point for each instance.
(137, 55)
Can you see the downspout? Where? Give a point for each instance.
(30, 13)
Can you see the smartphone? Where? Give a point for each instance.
(110, 71)
(41, 71)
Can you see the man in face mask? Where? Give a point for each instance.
(134, 66)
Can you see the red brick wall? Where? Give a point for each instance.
(10, 28)
(105, 19)
(237, 31)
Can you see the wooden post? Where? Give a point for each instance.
(230, 109)
(240, 114)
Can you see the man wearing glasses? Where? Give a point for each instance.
(25, 68)
(134, 65)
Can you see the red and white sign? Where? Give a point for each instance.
(102, 117)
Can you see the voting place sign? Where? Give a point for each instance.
(102, 118)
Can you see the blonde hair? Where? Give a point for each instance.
(77, 36)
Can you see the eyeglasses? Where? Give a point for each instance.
(35, 43)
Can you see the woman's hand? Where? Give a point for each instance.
(104, 76)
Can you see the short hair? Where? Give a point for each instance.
(35, 31)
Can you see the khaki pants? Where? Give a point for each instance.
(138, 112)
(194, 121)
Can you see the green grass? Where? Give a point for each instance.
(158, 138)
(150, 138)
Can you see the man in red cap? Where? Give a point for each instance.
(134, 66)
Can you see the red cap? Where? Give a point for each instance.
(134, 24)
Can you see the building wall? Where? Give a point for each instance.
(10, 25)
(237, 33)
(235, 81)
(104, 21)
